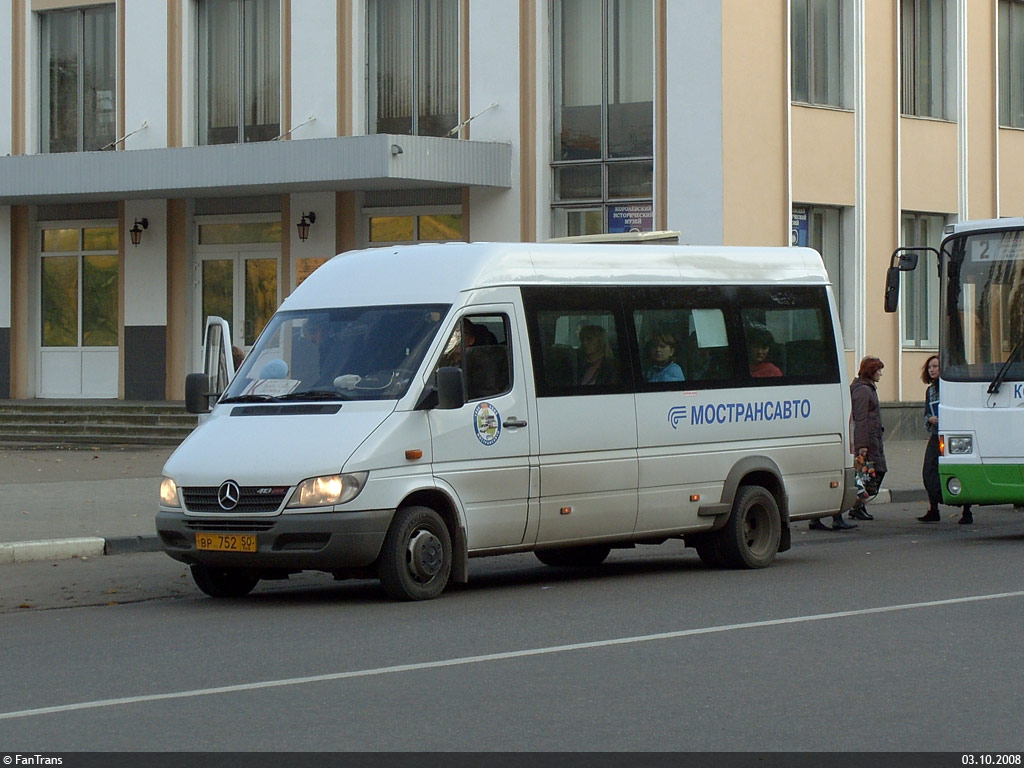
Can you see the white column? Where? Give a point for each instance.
(145, 265)
(494, 77)
(145, 74)
(314, 69)
(693, 114)
(6, 80)
(5, 266)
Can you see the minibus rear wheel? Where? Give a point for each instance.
(224, 582)
(416, 559)
(706, 545)
(586, 556)
(750, 538)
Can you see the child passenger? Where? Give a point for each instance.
(663, 351)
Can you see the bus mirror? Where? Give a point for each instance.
(892, 289)
(451, 391)
(197, 396)
(902, 260)
(906, 260)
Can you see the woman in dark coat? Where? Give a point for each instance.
(867, 424)
(867, 435)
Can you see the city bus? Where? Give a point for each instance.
(981, 357)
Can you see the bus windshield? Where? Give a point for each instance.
(983, 307)
(349, 353)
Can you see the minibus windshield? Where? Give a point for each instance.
(351, 353)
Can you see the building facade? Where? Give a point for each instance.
(162, 160)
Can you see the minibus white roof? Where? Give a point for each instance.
(436, 273)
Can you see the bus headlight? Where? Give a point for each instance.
(169, 493)
(328, 490)
(953, 486)
(958, 445)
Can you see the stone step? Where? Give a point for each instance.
(97, 406)
(186, 420)
(20, 439)
(54, 422)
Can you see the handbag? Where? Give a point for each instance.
(866, 478)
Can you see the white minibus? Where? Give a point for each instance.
(409, 408)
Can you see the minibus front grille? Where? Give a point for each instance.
(253, 499)
(237, 526)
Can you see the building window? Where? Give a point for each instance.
(821, 228)
(413, 66)
(1011, 63)
(603, 165)
(817, 52)
(920, 290)
(78, 79)
(925, 35)
(432, 227)
(78, 297)
(239, 71)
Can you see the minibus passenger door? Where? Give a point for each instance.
(481, 448)
(218, 368)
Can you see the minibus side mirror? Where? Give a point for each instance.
(451, 388)
(902, 260)
(197, 396)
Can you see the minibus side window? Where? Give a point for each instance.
(577, 340)
(787, 336)
(479, 345)
(681, 337)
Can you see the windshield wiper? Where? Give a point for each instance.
(314, 394)
(249, 399)
(993, 388)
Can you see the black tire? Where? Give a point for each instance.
(587, 556)
(416, 559)
(224, 582)
(706, 545)
(750, 538)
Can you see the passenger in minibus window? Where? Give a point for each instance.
(598, 366)
(759, 343)
(662, 351)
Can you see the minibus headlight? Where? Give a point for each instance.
(959, 445)
(169, 493)
(953, 486)
(327, 490)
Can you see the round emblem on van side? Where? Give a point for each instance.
(228, 495)
(487, 423)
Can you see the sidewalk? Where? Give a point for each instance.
(62, 503)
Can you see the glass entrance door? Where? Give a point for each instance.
(241, 287)
(78, 312)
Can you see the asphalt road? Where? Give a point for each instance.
(891, 638)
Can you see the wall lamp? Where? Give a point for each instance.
(136, 231)
(303, 225)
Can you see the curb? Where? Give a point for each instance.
(66, 549)
(92, 546)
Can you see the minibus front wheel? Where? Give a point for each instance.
(750, 537)
(416, 559)
(224, 582)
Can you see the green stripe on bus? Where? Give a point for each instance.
(984, 483)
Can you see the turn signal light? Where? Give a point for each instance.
(414, 453)
(565, 510)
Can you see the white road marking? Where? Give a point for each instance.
(497, 656)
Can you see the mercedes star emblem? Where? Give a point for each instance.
(228, 495)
